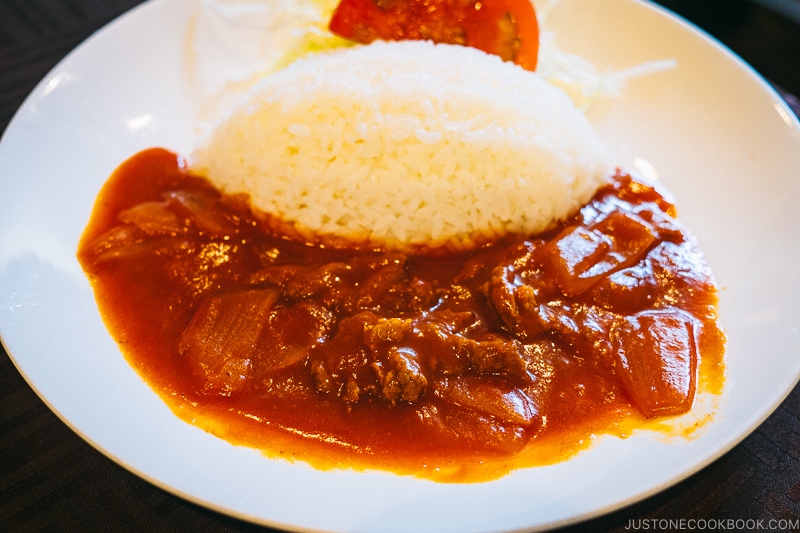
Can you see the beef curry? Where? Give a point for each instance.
(450, 366)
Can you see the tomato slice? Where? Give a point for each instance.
(507, 28)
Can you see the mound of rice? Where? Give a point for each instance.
(407, 145)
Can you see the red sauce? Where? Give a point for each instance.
(457, 367)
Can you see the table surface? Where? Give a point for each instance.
(51, 480)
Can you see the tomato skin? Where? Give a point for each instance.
(507, 28)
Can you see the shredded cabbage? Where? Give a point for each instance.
(579, 77)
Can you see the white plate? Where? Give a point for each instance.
(720, 138)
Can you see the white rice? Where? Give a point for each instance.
(406, 145)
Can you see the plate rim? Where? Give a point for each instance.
(758, 420)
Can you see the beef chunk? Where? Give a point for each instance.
(455, 351)
(403, 379)
(515, 301)
(326, 284)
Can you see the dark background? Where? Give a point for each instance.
(50, 480)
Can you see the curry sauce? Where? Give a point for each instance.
(456, 367)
